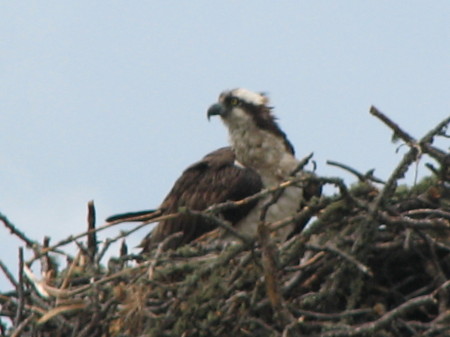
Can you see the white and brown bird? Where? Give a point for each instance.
(260, 156)
(260, 144)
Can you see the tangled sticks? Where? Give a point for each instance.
(374, 260)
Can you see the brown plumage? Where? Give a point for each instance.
(212, 180)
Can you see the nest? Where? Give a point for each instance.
(374, 260)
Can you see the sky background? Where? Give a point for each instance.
(107, 100)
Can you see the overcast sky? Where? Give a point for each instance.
(107, 100)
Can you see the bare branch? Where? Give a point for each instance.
(14, 230)
(92, 233)
(371, 327)
(361, 177)
(397, 130)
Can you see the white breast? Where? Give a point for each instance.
(287, 205)
(266, 154)
(262, 151)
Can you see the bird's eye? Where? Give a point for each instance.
(234, 101)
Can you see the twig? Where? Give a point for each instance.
(371, 327)
(274, 294)
(217, 208)
(87, 329)
(361, 177)
(437, 130)
(434, 152)
(405, 221)
(14, 230)
(123, 249)
(20, 291)
(305, 213)
(72, 238)
(66, 280)
(302, 164)
(107, 243)
(399, 173)
(428, 212)
(92, 233)
(48, 267)
(397, 130)
(339, 183)
(17, 332)
(219, 222)
(335, 316)
(403, 166)
(361, 266)
(416, 149)
(264, 325)
(49, 291)
(160, 249)
(9, 275)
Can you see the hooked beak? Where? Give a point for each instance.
(216, 110)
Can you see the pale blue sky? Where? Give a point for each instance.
(107, 100)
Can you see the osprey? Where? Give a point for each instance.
(260, 156)
(260, 144)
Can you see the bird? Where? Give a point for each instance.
(259, 156)
(214, 179)
(259, 144)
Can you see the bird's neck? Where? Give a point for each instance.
(264, 152)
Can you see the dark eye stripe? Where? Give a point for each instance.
(233, 101)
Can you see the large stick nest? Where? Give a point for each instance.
(374, 260)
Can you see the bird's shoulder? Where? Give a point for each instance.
(215, 178)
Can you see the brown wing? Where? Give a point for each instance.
(212, 180)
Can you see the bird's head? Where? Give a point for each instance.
(245, 109)
(241, 105)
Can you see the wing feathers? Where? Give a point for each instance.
(212, 180)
